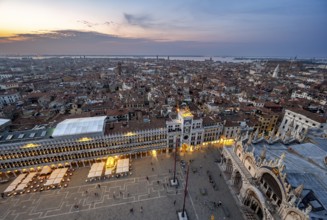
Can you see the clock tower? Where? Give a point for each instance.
(186, 119)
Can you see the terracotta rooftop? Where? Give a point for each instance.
(308, 114)
(136, 125)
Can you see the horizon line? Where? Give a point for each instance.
(165, 55)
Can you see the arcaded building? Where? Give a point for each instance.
(80, 142)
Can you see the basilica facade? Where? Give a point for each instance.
(261, 184)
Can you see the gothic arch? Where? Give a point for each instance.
(255, 201)
(237, 179)
(250, 164)
(274, 181)
(229, 165)
(239, 151)
(249, 158)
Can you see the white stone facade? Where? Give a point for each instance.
(297, 124)
(261, 185)
(187, 130)
(9, 98)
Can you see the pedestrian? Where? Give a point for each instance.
(219, 203)
(175, 202)
(176, 192)
(131, 210)
(147, 178)
(220, 174)
(152, 169)
(141, 209)
(158, 182)
(99, 186)
(86, 191)
(95, 194)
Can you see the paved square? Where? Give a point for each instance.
(52, 202)
(132, 197)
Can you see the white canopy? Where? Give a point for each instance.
(108, 172)
(20, 187)
(98, 173)
(28, 178)
(9, 189)
(78, 126)
(122, 166)
(91, 175)
(19, 179)
(57, 181)
(14, 183)
(49, 182)
(96, 170)
(56, 176)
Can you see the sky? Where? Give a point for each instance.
(281, 28)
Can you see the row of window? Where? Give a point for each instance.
(75, 156)
(193, 143)
(306, 121)
(24, 153)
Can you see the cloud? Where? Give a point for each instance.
(143, 20)
(87, 23)
(109, 23)
(74, 42)
(59, 34)
(67, 42)
(46, 35)
(92, 24)
(148, 21)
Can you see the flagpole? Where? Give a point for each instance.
(185, 191)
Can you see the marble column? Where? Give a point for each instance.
(257, 209)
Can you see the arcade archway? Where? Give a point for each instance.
(253, 201)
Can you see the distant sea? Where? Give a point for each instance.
(189, 58)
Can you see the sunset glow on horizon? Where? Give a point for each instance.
(220, 25)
